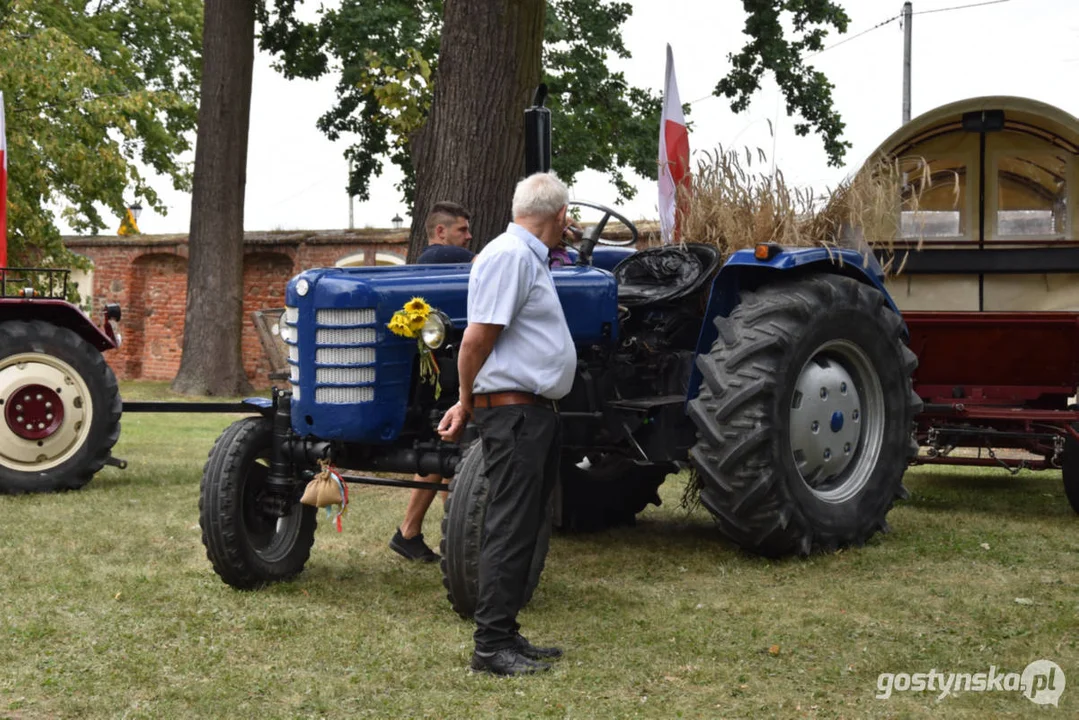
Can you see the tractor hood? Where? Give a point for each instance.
(589, 295)
(352, 378)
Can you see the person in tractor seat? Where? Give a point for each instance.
(448, 236)
(516, 360)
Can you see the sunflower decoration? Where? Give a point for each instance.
(408, 322)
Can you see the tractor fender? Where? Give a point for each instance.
(744, 272)
(60, 313)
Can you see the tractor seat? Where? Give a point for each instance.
(664, 274)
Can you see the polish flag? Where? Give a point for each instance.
(3, 186)
(673, 154)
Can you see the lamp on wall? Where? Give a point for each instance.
(397, 221)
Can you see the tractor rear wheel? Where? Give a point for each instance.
(59, 408)
(1069, 469)
(804, 416)
(247, 546)
(605, 491)
(462, 527)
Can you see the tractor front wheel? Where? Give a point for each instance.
(804, 416)
(462, 528)
(59, 408)
(248, 546)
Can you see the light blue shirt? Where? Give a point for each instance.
(510, 284)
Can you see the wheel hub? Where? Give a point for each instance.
(30, 440)
(826, 414)
(34, 412)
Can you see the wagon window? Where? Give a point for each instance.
(935, 200)
(1031, 196)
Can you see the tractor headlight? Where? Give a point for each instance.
(434, 331)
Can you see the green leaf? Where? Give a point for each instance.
(90, 89)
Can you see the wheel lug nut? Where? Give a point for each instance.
(815, 426)
(843, 387)
(827, 453)
(846, 448)
(48, 405)
(29, 426)
(18, 407)
(26, 398)
(854, 415)
(41, 426)
(824, 393)
(49, 416)
(38, 396)
(18, 419)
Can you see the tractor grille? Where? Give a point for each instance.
(345, 336)
(344, 375)
(346, 317)
(291, 319)
(344, 395)
(345, 356)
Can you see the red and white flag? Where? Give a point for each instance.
(673, 155)
(3, 186)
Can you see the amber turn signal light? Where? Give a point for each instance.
(765, 251)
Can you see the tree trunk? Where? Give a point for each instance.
(471, 150)
(212, 362)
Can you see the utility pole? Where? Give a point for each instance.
(350, 225)
(907, 14)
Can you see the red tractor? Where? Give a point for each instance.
(59, 399)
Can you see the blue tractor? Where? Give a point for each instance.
(781, 379)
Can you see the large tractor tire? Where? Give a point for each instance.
(607, 491)
(1069, 468)
(248, 547)
(462, 526)
(59, 408)
(805, 417)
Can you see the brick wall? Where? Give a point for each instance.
(147, 276)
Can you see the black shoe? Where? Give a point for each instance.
(413, 548)
(506, 662)
(532, 652)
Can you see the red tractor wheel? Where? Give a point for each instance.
(59, 408)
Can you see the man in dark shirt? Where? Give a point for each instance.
(447, 238)
(447, 235)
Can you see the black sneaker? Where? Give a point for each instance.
(506, 662)
(532, 652)
(413, 548)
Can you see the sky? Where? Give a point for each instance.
(296, 176)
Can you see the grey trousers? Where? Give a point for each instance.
(521, 449)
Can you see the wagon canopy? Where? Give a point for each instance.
(997, 184)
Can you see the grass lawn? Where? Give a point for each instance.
(110, 608)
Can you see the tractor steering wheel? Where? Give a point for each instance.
(591, 237)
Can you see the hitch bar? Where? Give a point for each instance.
(386, 482)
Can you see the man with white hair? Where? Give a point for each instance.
(516, 360)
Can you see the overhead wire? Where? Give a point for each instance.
(960, 7)
(881, 24)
